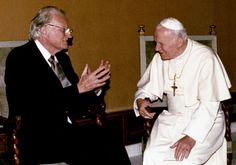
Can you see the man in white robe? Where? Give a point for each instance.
(192, 76)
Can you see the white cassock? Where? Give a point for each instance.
(195, 110)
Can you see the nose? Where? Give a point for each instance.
(69, 34)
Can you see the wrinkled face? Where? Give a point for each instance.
(55, 34)
(167, 43)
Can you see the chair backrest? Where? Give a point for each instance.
(228, 109)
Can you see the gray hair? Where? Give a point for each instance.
(43, 17)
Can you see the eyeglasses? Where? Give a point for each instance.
(63, 29)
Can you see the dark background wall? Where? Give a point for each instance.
(108, 29)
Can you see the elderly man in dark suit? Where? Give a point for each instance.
(42, 87)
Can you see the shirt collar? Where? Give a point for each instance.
(44, 51)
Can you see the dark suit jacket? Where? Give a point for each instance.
(35, 93)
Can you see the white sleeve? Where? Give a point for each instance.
(151, 84)
(202, 120)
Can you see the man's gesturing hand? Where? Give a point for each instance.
(96, 79)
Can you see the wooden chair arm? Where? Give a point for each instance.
(96, 115)
(12, 127)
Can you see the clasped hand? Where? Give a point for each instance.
(93, 80)
(144, 108)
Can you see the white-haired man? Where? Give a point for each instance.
(45, 91)
(192, 76)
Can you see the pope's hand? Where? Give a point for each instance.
(144, 108)
(183, 147)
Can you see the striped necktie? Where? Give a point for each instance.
(56, 67)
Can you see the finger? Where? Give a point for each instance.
(107, 64)
(145, 114)
(142, 113)
(100, 74)
(103, 79)
(98, 70)
(97, 85)
(85, 71)
(177, 149)
(150, 115)
(187, 154)
(183, 154)
(147, 117)
(94, 85)
(88, 70)
(101, 63)
(174, 145)
(103, 73)
(104, 63)
(177, 153)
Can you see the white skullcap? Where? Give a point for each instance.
(172, 23)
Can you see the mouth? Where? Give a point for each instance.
(160, 52)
